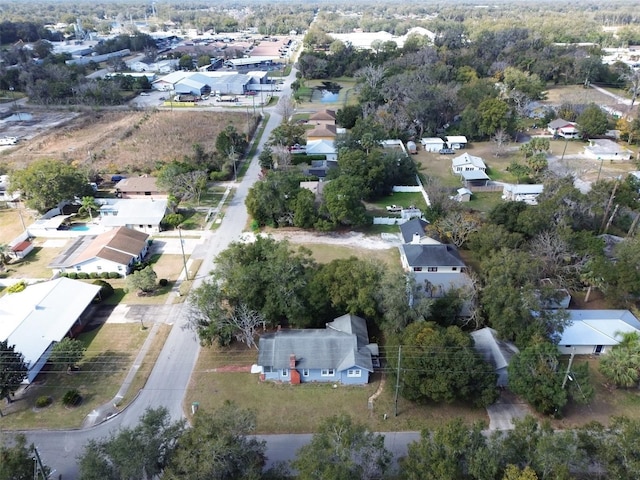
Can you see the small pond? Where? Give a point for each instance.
(328, 92)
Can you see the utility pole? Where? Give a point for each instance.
(184, 259)
(566, 375)
(395, 401)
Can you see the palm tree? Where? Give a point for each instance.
(621, 366)
(89, 205)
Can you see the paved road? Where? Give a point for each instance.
(169, 379)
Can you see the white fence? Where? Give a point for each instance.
(413, 189)
(389, 220)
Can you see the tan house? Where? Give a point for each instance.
(323, 117)
(322, 132)
(139, 187)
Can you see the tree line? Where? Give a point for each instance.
(220, 446)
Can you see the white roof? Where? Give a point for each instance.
(456, 139)
(535, 189)
(466, 159)
(123, 212)
(320, 146)
(41, 314)
(598, 327)
(431, 140)
(173, 77)
(605, 146)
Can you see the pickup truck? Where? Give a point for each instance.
(394, 208)
(446, 151)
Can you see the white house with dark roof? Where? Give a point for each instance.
(413, 231)
(339, 353)
(116, 250)
(41, 315)
(596, 331)
(563, 128)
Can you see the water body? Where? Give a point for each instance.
(328, 92)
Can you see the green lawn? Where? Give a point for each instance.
(111, 349)
(35, 264)
(403, 199)
(285, 408)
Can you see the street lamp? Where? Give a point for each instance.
(184, 259)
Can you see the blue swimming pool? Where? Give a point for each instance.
(79, 228)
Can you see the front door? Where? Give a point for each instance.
(599, 349)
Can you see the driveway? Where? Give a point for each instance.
(507, 408)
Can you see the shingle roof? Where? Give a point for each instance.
(560, 122)
(413, 226)
(322, 131)
(441, 255)
(318, 348)
(119, 245)
(323, 115)
(137, 184)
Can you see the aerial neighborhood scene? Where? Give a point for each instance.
(319, 240)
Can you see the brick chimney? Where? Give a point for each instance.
(292, 361)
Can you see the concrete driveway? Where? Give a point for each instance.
(507, 408)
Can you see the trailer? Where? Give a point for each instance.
(8, 141)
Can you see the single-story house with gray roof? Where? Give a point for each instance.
(339, 353)
(605, 149)
(496, 352)
(596, 331)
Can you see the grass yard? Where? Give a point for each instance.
(193, 219)
(35, 264)
(608, 402)
(120, 295)
(299, 409)
(484, 201)
(403, 199)
(111, 349)
(324, 253)
(10, 224)
(167, 266)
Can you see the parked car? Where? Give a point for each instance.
(394, 208)
(144, 94)
(446, 151)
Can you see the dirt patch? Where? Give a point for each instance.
(577, 95)
(120, 141)
(351, 239)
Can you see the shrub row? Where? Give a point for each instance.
(85, 275)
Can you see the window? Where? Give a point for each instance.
(119, 268)
(98, 267)
(267, 369)
(78, 268)
(150, 226)
(417, 269)
(141, 226)
(285, 372)
(147, 193)
(327, 372)
(432, 269)
(453, 269)
(305, 372)
(355, 372)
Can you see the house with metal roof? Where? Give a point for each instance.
(467, 163)
(144, 215)
(339, 353)
(596, 331)
(432, 144)
(114, 251)
(605, 149)
(522, 193)
(456, 141)
(495, 352)
(41, 315)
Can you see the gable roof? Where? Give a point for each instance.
(42, 314)
(494, 351)
(413, 226)
(323, 115)
(440, 255)
(524, 189)
(559, 123)
(342, 345)
(456, 139)
(322, 131)
(598, 327)
(466, 159)
(119, 245)
(432, 141)
(474, 175)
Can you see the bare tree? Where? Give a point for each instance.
(500, 141)
(457, 226)
(245, 323)
(633, 84)
(557, 260)
(282, 157)
(190, 184)
(372, 75)
(286, 107)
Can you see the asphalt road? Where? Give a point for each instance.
(170, 376)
